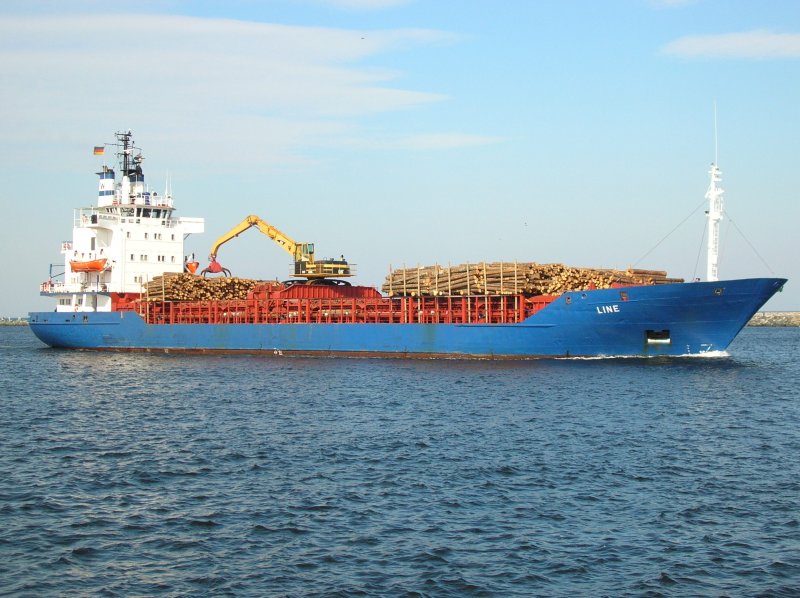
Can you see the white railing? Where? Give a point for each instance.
(59, 287)
(54, 287)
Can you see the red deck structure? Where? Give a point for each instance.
(318, 304)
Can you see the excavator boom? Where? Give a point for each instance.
(302, 253)
(273, 233)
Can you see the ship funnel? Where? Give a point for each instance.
(136, 176)
(105, 193)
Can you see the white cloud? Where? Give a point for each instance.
(670, 3)
(266, 86)
(365, 4)
(439, 141)
(758, 44)
(415, 142)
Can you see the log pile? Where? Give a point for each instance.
(497, 278)
(188, 287)
(506, 278)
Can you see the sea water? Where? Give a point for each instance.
(151, 474)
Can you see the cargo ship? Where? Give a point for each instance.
(118, 291)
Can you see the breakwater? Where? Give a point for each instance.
(776, 318)
(13, 322)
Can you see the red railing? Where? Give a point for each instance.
(481, 309)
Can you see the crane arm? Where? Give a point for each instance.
(287, 243)
(303, 253)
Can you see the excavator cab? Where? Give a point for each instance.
(322, 268)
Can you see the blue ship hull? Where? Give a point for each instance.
(669, 319)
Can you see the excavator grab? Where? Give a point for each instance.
(214, 267)
(305, 266)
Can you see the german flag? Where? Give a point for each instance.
(99, 150)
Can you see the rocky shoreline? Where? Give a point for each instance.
(775, 318)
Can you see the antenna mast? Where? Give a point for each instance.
(714, 196)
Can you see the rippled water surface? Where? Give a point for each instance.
(189, 475)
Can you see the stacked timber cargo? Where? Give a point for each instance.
(188, 287)
(506, 278)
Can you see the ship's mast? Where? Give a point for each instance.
(127, 141)
(124, 155)
(132, 177)
(714, 196)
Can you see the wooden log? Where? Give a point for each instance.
(503, 277)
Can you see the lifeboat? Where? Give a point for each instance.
(88, 266)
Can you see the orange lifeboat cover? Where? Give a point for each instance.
(88, 266)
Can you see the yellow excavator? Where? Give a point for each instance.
(305, 266)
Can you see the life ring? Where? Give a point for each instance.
(76, 307)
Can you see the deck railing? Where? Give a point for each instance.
(478, 309)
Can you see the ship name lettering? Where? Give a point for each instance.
(607, 309)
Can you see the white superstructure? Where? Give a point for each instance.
(131, 236)
(714, 197)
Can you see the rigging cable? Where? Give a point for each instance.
(763, 261)
(652, 249)
(699, 253)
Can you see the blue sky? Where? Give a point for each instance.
(413, 131)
